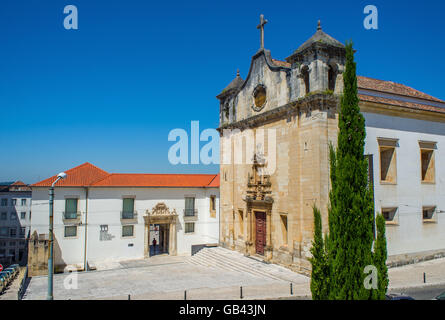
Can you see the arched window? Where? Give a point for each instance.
(332, 77)
(305, 76)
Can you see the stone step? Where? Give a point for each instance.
(236, 262)
(210, 262)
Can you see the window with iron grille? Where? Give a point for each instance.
(127, 231)
(70, 231)
(189, 227)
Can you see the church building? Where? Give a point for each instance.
(276, 126)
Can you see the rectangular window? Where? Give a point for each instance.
(12, 216)
(70, 231)
(212, 206)
(12, 252)
(4, 216)
(4, 202)
(284, 228)
(189, 227)
(71, 208)
(388, 160)
(22, 231)
(189, 206)
(428, 214)
(390, 215)
(128, 208)
(127, 231)
(12, 244)
(428, 170)
(12, 232)
(4, 231)
(2, 252)
(22, 215)
(240, 232)
(13, 202)
(23, 202)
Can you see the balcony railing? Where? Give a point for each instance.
(71, 215)
(128, 216)
(190, 212)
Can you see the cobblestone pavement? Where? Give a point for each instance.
(167, 278)
(204, 278)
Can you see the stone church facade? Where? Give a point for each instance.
(276, 127)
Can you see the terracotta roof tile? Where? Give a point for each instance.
(156, 180)
(392, 87)
(80, 176)
(90, 175)
(410, 105)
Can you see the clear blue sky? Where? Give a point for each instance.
(111, 91)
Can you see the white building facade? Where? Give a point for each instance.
(118, 216)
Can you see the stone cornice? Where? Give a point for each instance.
(311, 102)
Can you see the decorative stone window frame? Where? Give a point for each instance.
(394, 212)
(384, 144)
(255, 91)
(122, 231)
(433, 210)
(71, 237)
(428, 146)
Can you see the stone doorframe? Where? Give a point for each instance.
(161, 214)
(258, 206)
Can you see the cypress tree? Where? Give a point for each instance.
(351, 211)
(379, 257)
(320, 267)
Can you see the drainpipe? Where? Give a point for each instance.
(85, 266)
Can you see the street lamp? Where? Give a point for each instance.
(61, 175)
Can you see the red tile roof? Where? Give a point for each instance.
(156, 180)
(80, 176)
(393, 88)
(409, 105)
(89, 175)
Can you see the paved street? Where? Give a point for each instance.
(167, 277)
(217, 273)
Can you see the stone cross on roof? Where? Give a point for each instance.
(261, 27)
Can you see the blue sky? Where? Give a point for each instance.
(111, 91)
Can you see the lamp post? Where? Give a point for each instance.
(61, 175)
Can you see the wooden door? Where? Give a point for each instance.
(260, 238)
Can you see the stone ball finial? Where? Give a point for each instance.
(319, 25)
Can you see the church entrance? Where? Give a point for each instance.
(260, 234)
(159, 239)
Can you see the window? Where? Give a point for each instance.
(70, 231)
(13, 216)
(70, 208)
(4, 231)
(13, 202)
(189, 206)
(127, 231)
(305, 76)
(189, 227)
(212, 206)
(238, 221)
(4, 202)
(428, 214)
(22, 231)
(12, 244)
(284, 228)
(428, 170)
(4, 216)
(2, 252)
(12, 232)
(23, 202)
(22, 215)
(12, 252)
(29, 215)
(332, 77)
(390, 215)
(388, 167)
(128, 208)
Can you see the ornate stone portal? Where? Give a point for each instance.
(259, 209)
(161, 214)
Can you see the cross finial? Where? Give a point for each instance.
(261, 27)
(319, 25)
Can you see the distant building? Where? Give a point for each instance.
(15, 218)
(101, 217)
